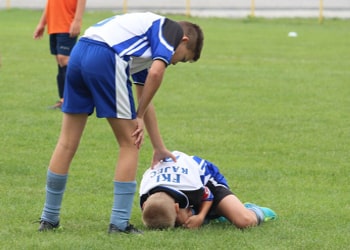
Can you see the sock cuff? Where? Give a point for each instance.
(54, 175)
(124, 187)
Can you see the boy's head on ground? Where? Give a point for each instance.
(160, 211)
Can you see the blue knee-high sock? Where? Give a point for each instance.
(122, 203)
(61, 77)
(55, 186)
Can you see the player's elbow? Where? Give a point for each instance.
(155, 75)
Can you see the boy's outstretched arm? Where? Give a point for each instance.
(153, 81)
(160, 152)
(151, 124)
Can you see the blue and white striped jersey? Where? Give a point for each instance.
(188, 173)
(140, 37)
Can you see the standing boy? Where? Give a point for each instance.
(190, 190)
(63, 20)
(142, 44)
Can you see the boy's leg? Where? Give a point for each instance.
(71, 131)
(61, 76)
(125, 176)
(62, 62)
(60, 79)
(233, 209)
(263, 213)
(61, 46)
(65, 44)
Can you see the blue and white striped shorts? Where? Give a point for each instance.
(97, 78)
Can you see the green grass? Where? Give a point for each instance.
(271, 111)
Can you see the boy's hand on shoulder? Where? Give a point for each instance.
(160, 155)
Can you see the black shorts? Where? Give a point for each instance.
(62, 44)
(220, 192)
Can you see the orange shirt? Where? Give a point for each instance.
(59, 15)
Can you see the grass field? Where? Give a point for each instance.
(271, 111)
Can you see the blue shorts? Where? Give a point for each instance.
(97, 78)
(62, 44)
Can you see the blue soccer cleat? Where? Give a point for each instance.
(269, 214)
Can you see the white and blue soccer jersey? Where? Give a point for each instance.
(184, 180)
(109, 52)
(141, 37)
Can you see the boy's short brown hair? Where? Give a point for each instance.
(159, 211)
(196, 37)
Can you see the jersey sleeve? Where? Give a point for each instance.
(172, 32)
(210, 170)
(165, 37)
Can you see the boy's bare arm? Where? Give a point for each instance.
(40, 28)
(151, 124)
(75, 27)
(153, 81)
(196, 221)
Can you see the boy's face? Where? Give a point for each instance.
(182, 54)
(183, 215)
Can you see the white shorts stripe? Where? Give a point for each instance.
(123, 108)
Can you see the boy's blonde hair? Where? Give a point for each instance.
(159, 211)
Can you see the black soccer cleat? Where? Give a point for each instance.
(130, 229)
(47, 226)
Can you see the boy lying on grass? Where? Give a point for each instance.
(189, 192)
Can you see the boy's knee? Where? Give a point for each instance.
(62, 60)
(245, 221)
